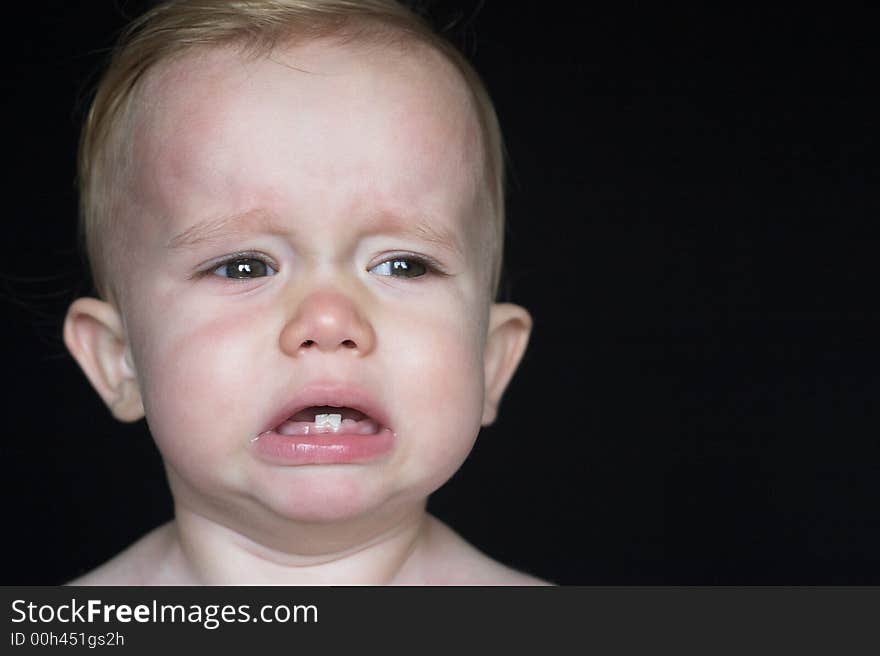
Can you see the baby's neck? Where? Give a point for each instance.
(203, 551)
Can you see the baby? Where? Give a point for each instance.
(293, 210)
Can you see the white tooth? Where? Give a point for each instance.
(328, 422)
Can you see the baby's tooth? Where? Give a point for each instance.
(328, 422)
(368, 427)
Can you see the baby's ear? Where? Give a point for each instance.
(95, 336)
(509, 329)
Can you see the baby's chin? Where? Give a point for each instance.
(328, 494)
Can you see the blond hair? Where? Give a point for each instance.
(177, 27)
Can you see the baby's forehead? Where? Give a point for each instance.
(203, 110)
(198, 90)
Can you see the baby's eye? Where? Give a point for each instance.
(401, 267)
(244, 267)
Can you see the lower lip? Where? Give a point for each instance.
(322, 448)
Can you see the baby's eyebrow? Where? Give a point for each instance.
(433, 232)
(213, 229)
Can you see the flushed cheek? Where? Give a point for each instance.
(438, 388)
(199, 391)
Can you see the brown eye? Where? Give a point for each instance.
(401, 267)
(243, 268)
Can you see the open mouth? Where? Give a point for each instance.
(328, 419)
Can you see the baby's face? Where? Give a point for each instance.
(308, 230)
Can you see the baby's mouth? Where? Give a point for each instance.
(328, 419)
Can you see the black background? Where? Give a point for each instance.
(692, 222)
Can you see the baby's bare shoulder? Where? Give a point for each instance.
(451, 560)
(138, 564)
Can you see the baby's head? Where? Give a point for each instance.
(292, 209)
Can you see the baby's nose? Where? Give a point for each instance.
(327, 321)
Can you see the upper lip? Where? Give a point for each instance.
(330, 395)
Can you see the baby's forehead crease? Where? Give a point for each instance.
(257, 221)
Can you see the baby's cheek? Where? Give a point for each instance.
(440, 394)
(198, 389)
